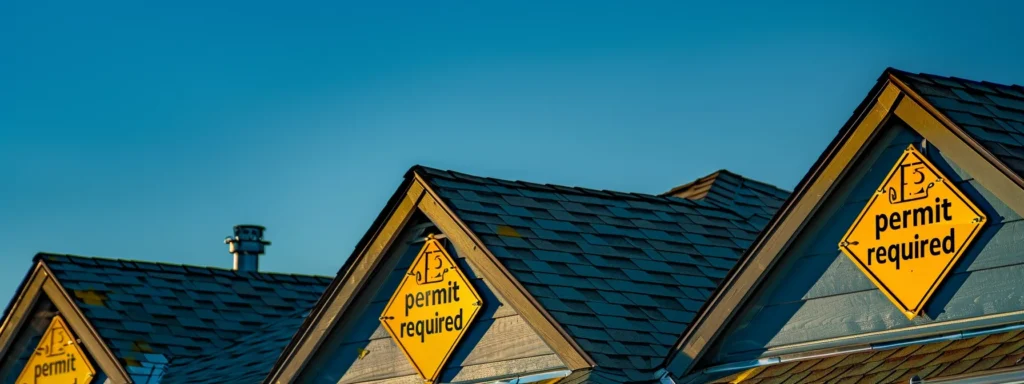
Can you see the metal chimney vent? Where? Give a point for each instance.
(247, 245)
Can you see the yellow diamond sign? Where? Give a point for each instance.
(58, 359)
(431, 310)
(912, 231)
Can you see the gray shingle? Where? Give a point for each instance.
(608, 309)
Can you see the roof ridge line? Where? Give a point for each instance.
(714, 176)
(560, 188)
(43, 255)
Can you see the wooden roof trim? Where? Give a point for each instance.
(40, 282)
(980, 162)
(960, 132)
(23, 301)
(342, 292)
(749, 271)
(103, 357)
(476, 253)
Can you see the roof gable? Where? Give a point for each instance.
(152, 316)
(641, 265)
(890, 98)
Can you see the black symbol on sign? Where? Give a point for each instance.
(914, 183)
(55, 345)
(433, 268)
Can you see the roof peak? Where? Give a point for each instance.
(931, 76)
(711, 178)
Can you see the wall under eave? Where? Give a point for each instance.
(816, 293)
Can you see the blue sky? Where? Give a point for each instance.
(142, 131)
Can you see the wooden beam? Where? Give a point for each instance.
(339, 337)
(482, 260)
(352, 283)
(101, 355)
(960, 132)
(23, 302)
(968, 156)
(777, 236)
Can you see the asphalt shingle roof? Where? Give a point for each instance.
(154, 315)
(898, 365)
(993, 114)
(623, 273)
(247, 361)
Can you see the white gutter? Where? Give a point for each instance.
(536, 377)
(664, 377)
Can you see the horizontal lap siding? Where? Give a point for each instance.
(506, 338)
(817, 293)
(483, 372)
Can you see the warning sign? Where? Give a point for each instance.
(912, 232)
(58, 359)
(430, 311)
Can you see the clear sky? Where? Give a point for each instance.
(142, 131)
